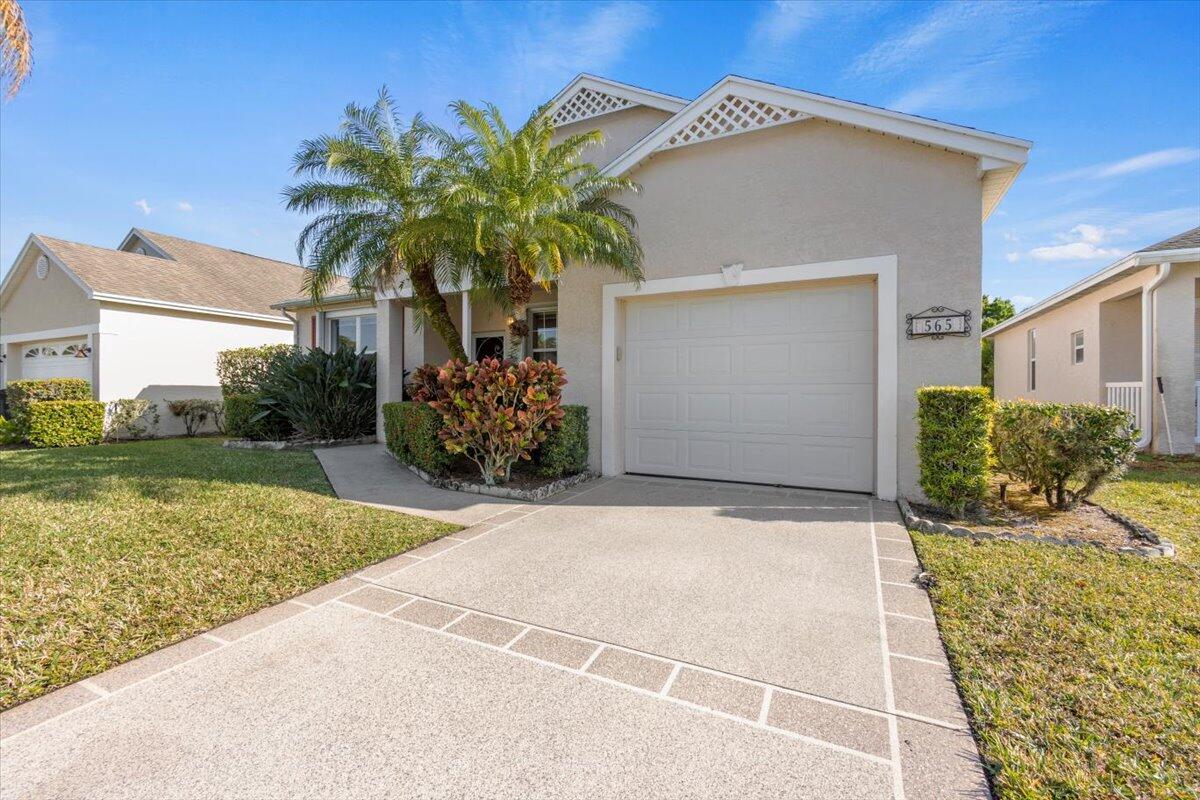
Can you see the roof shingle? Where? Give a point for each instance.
(1179, 242)
(196, 274)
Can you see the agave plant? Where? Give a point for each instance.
(323, 395)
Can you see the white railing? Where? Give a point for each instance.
(1198, 411)
(1127, 395)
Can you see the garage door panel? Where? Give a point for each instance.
(844, 464)
(838, 410)
(754, 360)
(761, 386)
(831, 309)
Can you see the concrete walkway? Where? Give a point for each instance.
(368, 474)
(632, 637)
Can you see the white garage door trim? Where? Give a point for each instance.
(882, 268)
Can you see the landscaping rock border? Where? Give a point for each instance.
(251, 444)
(1158, 548)
(506, 492)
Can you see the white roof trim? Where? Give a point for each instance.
(33, 241)
(137, 233)
(1112, 272)
(1000, 154)
(173, 306)
(626, 95)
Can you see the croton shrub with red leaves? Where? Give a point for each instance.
(495, 412)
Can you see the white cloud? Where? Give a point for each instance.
(1012, 258)
(1081, 243)
(1022, 300)
(183, 205)
(1158, 159)
(775, 41)
(143, 206)
(1073, 251)
(963, 54)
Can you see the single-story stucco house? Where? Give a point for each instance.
(145, 320)
(1111, 338)
(787, 236)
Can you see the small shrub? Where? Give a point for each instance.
(952, 444)
(9, 433)
(244, 420)
(65, 423)
(23, 393)
(1064, 452)
(412, 431)
(134, 417)
(242, 369)
(323, 395)
(195, 412)
(494, 412)
(565, 451)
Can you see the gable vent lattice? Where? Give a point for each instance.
(732, 115)
(587, 103)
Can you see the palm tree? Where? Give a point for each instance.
(16, 46)
(375, 187)
(528, 207)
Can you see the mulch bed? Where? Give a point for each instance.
(1023, 512)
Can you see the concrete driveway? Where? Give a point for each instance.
(633, 637)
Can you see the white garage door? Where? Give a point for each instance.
(772, 387)
(56, 360)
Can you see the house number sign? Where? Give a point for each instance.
(937, 322)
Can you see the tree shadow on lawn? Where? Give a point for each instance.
(163, 470)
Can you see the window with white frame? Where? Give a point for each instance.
(543, 334)
(1032, 347)
(356, 331)
(1077, 347)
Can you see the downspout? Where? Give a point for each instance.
(295, 327)
(1147, 411)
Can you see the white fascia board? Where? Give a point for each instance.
(306, 302)
(1110, 273)
(1001, 151)
(51, 333)
(10, 277)
(634, 94)
(34, 241)
(172, 306)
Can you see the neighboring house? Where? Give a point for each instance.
(1111, 338)
(786, 236)
(145, 320)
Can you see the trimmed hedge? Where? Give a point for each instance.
(953, 445)
(21, 394)
(1064, 452)
(64, 423)
(412, 433)
(240, 422)
(242, 369)
(565, 451)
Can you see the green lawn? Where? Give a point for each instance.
(1081, 668)
(110, 552)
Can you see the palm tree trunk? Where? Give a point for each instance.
(433, 306)
(520, 292)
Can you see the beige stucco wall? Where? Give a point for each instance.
(1175, 358)
(1110, 318)
(1058, 380)
(803, 193)
(34, 304)
(621, 130)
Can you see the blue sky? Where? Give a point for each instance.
(182, 117)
